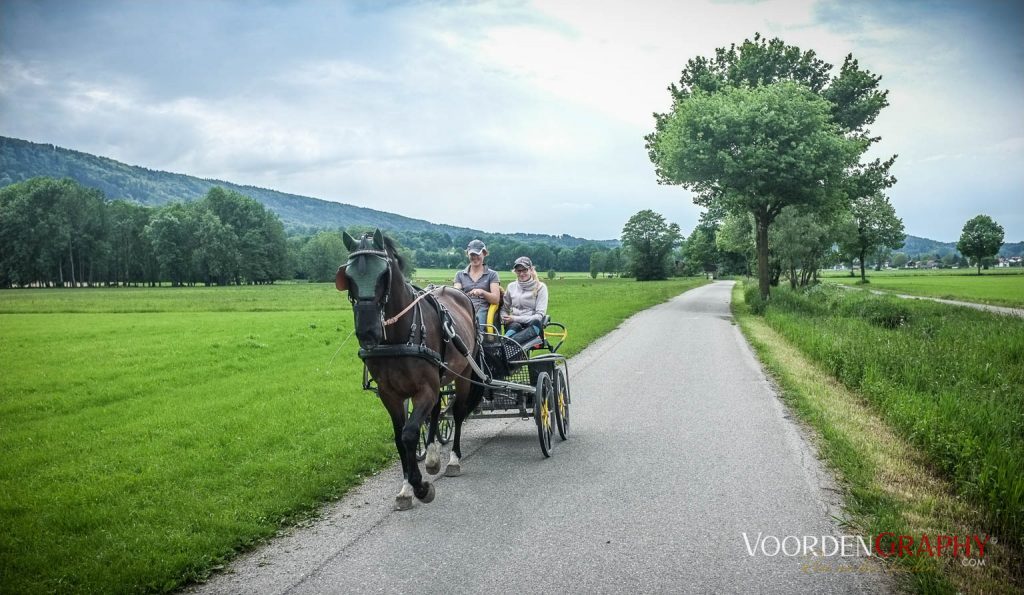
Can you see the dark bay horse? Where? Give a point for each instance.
(403, 345)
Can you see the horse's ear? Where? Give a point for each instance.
(350, 242)
(378, 240)
(340, 280)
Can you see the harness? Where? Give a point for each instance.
(416, 344)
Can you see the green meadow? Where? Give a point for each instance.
(1000, 287)
(949, 380)
(150, 434)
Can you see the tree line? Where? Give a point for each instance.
(59, 233)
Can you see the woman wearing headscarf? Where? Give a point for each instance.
(525, 304)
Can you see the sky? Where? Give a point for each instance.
(501, 116)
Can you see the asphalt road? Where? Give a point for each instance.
(679, 448)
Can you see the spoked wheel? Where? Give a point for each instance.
(562, 401)
(543, 412)
(421, 444)
(445, 426)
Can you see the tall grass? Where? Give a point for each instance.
(148, 434)
(949, 379)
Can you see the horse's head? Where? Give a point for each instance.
(367, 278)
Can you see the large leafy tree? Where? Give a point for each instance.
(648, 241)
(760, 152)
(872, 225)
(757, 150)
(981, 238)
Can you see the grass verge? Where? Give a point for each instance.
(892, 484)
(149, 434)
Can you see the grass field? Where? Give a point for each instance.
(950, 380)
(891, 484)
(1000, 287)
(148, 434)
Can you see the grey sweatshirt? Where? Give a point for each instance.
(523, 306)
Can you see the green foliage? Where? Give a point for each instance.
(950, 379)
(60, 233)
(148, 434)
(981, 238)
(762, 126)
(552, 273)
(757, 304)
(872, 224)
(648, 241)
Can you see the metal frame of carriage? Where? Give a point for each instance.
(514, 394)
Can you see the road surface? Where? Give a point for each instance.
(681, 456)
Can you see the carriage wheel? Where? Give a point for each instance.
(445, 427)
(421, 444)
(543, 412)
(562, 401)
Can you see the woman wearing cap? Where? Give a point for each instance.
(525, 303)
(478, 281)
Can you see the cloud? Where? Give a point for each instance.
(449, 111)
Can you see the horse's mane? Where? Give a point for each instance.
(392, 249)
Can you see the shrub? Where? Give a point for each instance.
(755, 302)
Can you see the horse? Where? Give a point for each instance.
(412, 343)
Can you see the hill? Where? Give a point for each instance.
(21, 160)
(914, 246)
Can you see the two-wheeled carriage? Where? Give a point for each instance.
(529, 381)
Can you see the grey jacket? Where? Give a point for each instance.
(523, 306)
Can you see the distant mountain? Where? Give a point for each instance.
(21, 160)
(914, 246)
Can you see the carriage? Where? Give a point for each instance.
(413, 341)
(517, 375)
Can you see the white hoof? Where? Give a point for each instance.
(403, 502)
(433, 461)
(454, 468)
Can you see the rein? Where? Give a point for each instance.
(395, 318)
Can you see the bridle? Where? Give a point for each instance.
(366, 304)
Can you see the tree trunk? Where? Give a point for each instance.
(71, 258)
(762, 253)
(863, 277)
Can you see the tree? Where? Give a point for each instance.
(648, 241)
(735, 240)
(759, 152)
(700, 254)
(981, 238)
(872, 224)
(613, 262)
(899, 260)
(322, 256)
(596, 263)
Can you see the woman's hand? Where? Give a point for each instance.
(506, 318)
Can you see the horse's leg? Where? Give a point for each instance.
(422, 403)
(433, 461)
(467, 396)
(396, 409)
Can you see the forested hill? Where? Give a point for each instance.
(914, 247)
(21, 160)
